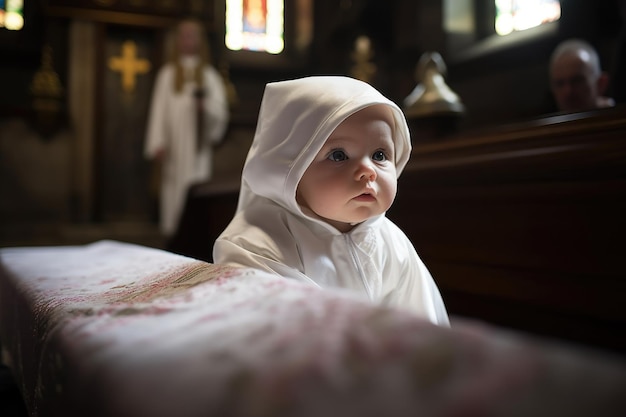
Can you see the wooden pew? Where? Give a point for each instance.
(521, 225)
(208, 210)
(524, 225)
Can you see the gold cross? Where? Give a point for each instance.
(129, 65)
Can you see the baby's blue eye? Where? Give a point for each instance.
(337, 155)
(379, 156)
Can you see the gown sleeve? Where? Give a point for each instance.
(230, 253)
(216, 113)
(157, 131)
(245, 244)
(415, 288)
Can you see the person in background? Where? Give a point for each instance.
(188, 115)
(319, 177)
(577, 81)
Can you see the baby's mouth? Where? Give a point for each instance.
(365, 197)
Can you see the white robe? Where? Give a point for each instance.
(270, 231)
(172, 128)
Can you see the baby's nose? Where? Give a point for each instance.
(366, 170)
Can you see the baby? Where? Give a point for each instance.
(318, 179)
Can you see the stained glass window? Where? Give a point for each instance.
(512, 15)
(255, 25)
(12, 14)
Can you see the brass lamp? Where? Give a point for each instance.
(432, 108)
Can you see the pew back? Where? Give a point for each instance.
(524, 225)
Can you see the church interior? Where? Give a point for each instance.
(517, 208)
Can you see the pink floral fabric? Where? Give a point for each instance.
(114, 329)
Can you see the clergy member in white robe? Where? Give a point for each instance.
(188, 116)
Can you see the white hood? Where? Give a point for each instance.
(295, 119)
(271, 232)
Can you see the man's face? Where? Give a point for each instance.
(574, 85)
(353, 177)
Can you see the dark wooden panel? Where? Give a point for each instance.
(123, 173)
(133, 12)
(523, 225)
(208, 210)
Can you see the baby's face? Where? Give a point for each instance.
(353, 177)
